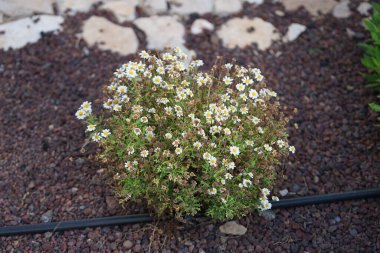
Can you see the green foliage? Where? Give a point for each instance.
(188, 141)
(371, 58)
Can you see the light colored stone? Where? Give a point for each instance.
(109, 36)
(46, 217)
(314, 7)
(268, 215)
(364, 8)
(1, 17)
(342, 10)
(23, 8)
(225, 7)
(185, 7)
(200, 25)
(17, 34)
(294, 31)
(74, 6)
(232, 228)
(122, 9)
(284, 192)
(257, 2)
(153, 7)
(162, 31)
(242, 32)
(279, 13)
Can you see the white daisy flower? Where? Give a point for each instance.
(259, 77)
(197, 145)
(206, 156)
(96, 137)
(144, 119)
(227, 131)
(106, 133)
(160, 70)
(168, 136)
(90, 128)
(81, 114)
(157, 80)
(228, 65)
(117, 108)
(149, 135)
(265, 191)
(292, 149)
(122, 89)
(227, 80)
(143, 54)
(144, 153)
(246, 80)
(178, 151)
(240, 87)
(228, 176)
(268, 148)
(234, 150)
(253, 94)
(246, 183)
(213, 161)
(275, 198)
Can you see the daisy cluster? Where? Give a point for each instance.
(187, 140)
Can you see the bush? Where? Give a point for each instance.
(371, 58)
(190, 141)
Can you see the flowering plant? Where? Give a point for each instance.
(187, 140)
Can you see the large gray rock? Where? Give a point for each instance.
(23, 8)
(109, 36)
(17, 34)
(242, 32)
(232, 228)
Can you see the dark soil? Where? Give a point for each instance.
(319, 79)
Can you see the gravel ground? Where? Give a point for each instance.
(44, 176)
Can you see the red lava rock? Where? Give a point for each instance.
(137, 248)
(127, 244)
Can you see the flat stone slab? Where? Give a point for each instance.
(225, 7)
(74, 6)
(109, 36)
(153, 7)
(242, 32)
(123, 10)
(186, 7)
(314, 7)
(23, 8)
(17, 34)
(162, 31)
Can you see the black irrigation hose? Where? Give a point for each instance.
(140, 218)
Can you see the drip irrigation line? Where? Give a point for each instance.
(142, 218)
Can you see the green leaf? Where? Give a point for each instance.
(375, 107)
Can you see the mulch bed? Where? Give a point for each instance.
(43, 173)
